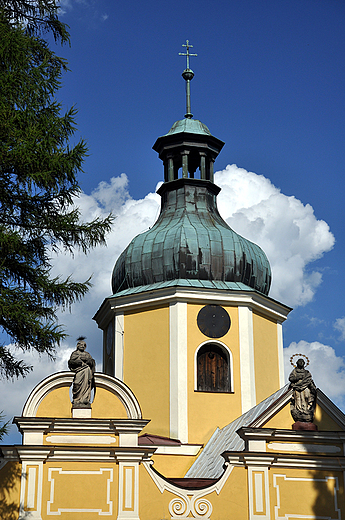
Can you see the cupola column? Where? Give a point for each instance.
(211, 173)
(170, 168)
(185, 164)
(202, 166)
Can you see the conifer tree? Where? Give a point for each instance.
(38, 188)
(38, 17)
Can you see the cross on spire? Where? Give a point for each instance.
(187, 54)
(187, 75)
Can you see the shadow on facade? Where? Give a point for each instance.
(329, 499)
(11, 475)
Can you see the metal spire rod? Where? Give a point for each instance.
(187, 75)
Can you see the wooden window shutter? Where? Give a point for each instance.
(213, 369)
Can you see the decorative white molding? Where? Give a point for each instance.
(101, 454)
(282, 460)
(60, 510)
(222, 346)
(293, 516)
(258, 489)
(119, 331)
(280, 343)
(31, 475)
(81, 413)
(128, 507)
(190, 501)
(303, 448)
(31, 489)
(178, 371)
(33, 437)
(65, 379)
(184, 449)
(305, 437)
(272, 410)
(181, 508)
(81, 439)
(169, 295)
(52, 382)
(247, 365)
(257, 445)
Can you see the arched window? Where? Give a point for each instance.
(213, 369)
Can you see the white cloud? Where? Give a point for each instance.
(64, 6)
(285, 228)
(327, 369)
(104, 17)
(340, 326)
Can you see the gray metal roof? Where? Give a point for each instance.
(210, 462)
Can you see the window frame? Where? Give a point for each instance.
(228, 353)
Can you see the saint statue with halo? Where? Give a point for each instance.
(303, 400)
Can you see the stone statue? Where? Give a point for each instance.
(84, 367)
(303, 400)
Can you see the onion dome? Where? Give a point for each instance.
(190, 241)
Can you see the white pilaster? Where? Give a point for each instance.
(178, 371)
(31, 490)
(247, 368)
(118, 345)
(128, 491)
(258, 487)
(280, 354)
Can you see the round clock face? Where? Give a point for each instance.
(213, 321)
(110, 338)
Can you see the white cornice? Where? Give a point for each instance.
(77, 453)
(87, 426)
(284, 460)
(165, 296)
(292, 436)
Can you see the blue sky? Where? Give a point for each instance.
(270, 82)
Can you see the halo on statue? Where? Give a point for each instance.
(299, 356)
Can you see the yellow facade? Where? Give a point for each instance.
(202, 406)
(266, 356)
(94, 467)
(149, 361)
(146, 364)
(78, 488)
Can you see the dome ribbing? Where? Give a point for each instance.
(191, 241)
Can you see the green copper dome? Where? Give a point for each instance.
(191, 241)
(192, 126)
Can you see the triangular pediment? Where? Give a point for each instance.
(271, 414)
(328, 417)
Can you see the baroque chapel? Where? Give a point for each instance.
(191, 414)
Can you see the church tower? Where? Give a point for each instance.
(190, 327)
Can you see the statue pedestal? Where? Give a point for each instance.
(81, 413)
(298, 425)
